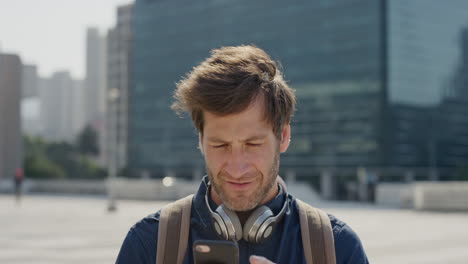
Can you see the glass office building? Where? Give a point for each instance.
(366, 73)
(427, 106)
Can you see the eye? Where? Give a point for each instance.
(254, 144)
(219, 146)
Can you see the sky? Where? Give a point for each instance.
(51, 33)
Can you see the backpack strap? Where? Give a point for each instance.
(173, 231)
(317, 235)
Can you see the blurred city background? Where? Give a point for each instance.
(380, 136)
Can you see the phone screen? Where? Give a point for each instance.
(215, 252)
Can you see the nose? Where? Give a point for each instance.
(237, 164)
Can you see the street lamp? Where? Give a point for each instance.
(114, 95)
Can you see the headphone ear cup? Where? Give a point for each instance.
(265, 230)
(231, 222)
(255, 223)
(219, 225)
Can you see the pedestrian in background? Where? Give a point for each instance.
(18, 182)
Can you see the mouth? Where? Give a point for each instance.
(239, 185)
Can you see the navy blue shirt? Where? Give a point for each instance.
(284, 246)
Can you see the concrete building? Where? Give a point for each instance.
(118, 80)
(96, 78)
(29, 81)
(10, 123)
(30, 114)
(95, 74)
(62, 107)
(370, 79)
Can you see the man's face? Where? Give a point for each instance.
(242, 157)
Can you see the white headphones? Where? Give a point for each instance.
(259, 226)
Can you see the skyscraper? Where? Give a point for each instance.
(62, 107)
(29, 81)
(95, 74)
(426, 120)
(453, 112)
(118, 80)
(10, 123)
(30, 122)
(369, 77)
(95, 83)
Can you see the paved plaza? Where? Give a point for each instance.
(63, 229)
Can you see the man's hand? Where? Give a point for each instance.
(259, 260)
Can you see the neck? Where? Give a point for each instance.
(243, 216)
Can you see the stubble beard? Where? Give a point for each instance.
(242, 203)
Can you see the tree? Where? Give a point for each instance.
(88, 141)
(39, 167)
(58, 160)
(36, 163)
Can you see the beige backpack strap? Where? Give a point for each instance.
(317, 235)
(173, 231)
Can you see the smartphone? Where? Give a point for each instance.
(215, 252)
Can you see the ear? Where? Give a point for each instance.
(200, 143)
(285, 137)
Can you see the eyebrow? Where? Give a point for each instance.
(256, 137)
(219, 140)
(215, 139)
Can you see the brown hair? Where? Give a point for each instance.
(228, 81)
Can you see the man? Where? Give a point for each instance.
(241, 108)
(18, 182)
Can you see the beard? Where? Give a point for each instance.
(243, 202)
